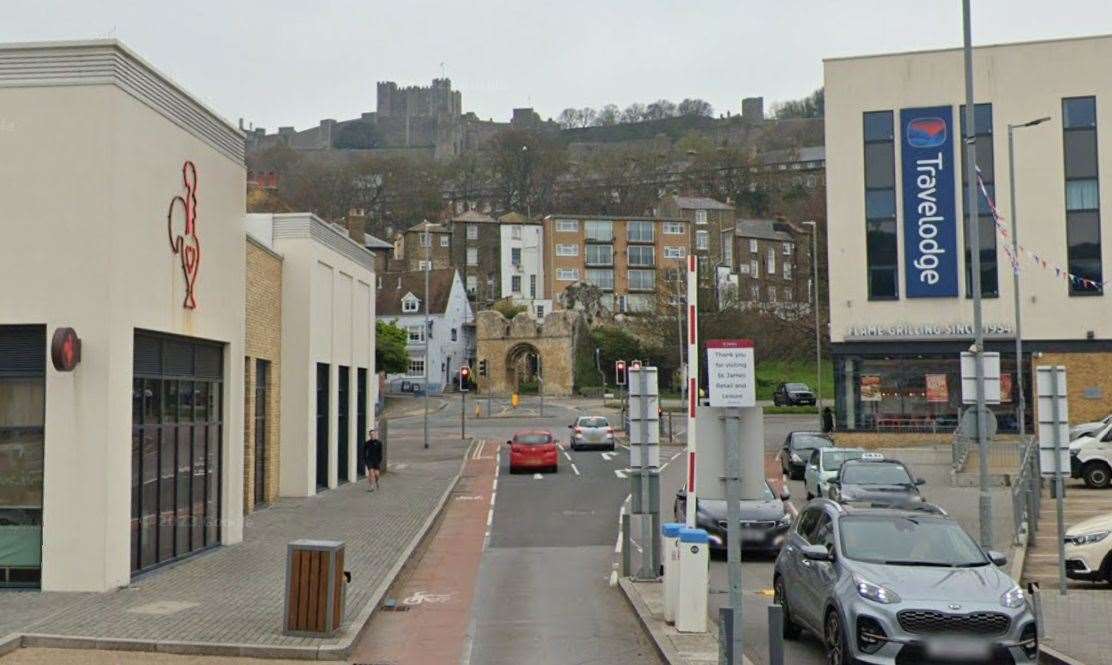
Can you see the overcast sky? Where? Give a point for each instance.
(292, 62)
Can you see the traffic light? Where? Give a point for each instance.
(620, 372)
(635, 364)
(482, 367)
(464, 377)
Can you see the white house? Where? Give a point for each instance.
(522, 262)
(450, 336)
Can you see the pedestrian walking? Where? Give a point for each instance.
(372, 457)
(827, 420)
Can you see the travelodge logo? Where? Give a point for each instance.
(926, 132)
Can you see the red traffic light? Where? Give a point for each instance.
(465, 371)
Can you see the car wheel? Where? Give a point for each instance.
(1096, 475)
(810, 496)
(789, 630)
(834, 640)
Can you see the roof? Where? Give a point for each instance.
(474, 216)
(810, 153)
(516, 218)
(372, 243)
(618, 218)
(978, 47)
(699, 203)
(388, 299)
(764, 229)
(431, 227)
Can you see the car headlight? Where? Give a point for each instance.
(1089, 538)
(875, 592)
(786, 520)
(796, 459)
(1013, 598)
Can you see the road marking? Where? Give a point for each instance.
(490, 516)
(537, 476)
(398, 467)
(619, 473)
(574, 469)
(468, 498)
(607, 456)
(479, 450)
(567, 455)
(419, 597)
(613, 578)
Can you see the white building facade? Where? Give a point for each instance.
(522, 263)
(900, 284)
(328, 349)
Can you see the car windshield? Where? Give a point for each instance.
(766, 493)
(797, 387)
(532, 439)
(809, 442)
(832, 459)
(875, 474)
(908, 541)
(594, 422)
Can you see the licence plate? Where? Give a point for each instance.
(956, 648)
(751, 535)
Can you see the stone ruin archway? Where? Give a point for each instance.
(506, 347)
(523, 366)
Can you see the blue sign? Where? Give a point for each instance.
(930, 220)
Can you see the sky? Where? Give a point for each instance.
(293, 62)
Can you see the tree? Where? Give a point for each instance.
(608, 115)
(587, 116)
(390, 354)
(660, 109)
(508, 309)
(635, 112)
(525, 166)
(568, 118)
(811, 106)
(695, 107)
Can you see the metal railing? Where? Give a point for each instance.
(1027, 493)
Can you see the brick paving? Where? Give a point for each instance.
(233, 595)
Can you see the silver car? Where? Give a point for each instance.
(887, 586)
(591, 432)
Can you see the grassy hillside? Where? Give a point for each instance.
(771, 373)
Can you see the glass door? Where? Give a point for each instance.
(322, 426)
(262, 385)
(344, 409)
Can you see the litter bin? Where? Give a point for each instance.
(316, 586)
(691, 594)
(670, 533)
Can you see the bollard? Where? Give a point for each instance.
(627, 557)
(726, 655)
(775, 635)
(691, 597)
(1036, 608)
(670, 533)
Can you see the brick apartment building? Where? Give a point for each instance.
(262, 375)
(769, 263)
(708, 219)
(426, 241)
(476, 242)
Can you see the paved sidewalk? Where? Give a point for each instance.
(230, 601)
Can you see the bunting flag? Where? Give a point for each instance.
(998, 222)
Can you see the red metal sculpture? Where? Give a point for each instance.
(186, 244)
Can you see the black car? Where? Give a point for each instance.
(879, 482)
(793, 394)
(764, 521)
(797, 450)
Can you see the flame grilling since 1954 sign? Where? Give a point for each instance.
(930, 220)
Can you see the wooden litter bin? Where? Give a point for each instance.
(315, 588)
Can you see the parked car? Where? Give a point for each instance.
(793, 394)
(797, 450)
(875, 481)
(591, 432)
(887, 586)
(764, 521)
(1083, 429)
(1091, 458)
(1089, 550)
(533, 450)
(823, 467)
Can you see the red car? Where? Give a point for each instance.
(533, 450)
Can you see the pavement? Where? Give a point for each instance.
(229, 601)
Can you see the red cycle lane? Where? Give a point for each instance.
(438, 592)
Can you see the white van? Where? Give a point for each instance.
(1091, 458)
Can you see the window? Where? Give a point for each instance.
(700, 216)
(787, 270)
(673, 252)
(704, 267)
(416, 334)
(755, 293)
(472, 231)
(425, 239)
(567, 225)
(603, 279)
(743, 269)
(444, 240)
(424, 265)
(642, 280)
(753, 247)
(410, 304)
(637, 302)
(770, 268)
(789, 248)
(727, 251)
(515, 232)
(532, 286)
(755, 268)
(641, 255)
(472, 256)
(982, 130)
(772, 294)
(673, 229)
(567, 250)
(702, 240)
(600, 255)
(416, 367)
(567, 274)
(1079, 120)
(639, 231)
(787, 294)
(881, 252)
(472, 284)
(454, 335)
(540, 311)
(515, 283)
(515, 256)
(599, 231)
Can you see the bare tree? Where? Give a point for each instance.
(635, 112)
(660, 109)
(608, 115)
(697, 107)
(568, 118)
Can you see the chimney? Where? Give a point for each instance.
(355, 229)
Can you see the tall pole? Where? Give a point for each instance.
(818, 325)
(973, 229)
(692, 384)
(733, 531)
(1015, 286)
(428, 266)
(679, 334)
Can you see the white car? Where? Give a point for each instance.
(1089, 549)
(822, 467)
(1091, 458)
(1084, 429)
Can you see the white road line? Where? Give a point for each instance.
(613, 578)
(490, 517)
(619, 473)
(567, 455)
(575, 469)
(607, 456)
(537, 476)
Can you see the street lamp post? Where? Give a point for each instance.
(818, 317)
(1021, 400)
(428, 266)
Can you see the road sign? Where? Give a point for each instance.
(967, 427)
(969, 377)
(1051, 419)
(730, 373)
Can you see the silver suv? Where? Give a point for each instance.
(899, 585)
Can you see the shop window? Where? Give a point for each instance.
(881, 249)
(1082, 195)
(322, 425)
(262, 392)
(360, 418)
(343, 418)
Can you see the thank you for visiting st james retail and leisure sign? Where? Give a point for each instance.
(930, 221)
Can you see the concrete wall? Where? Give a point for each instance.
(263, 342)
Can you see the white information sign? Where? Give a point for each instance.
(731, 373)
(969, 377)
(1054, 428)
